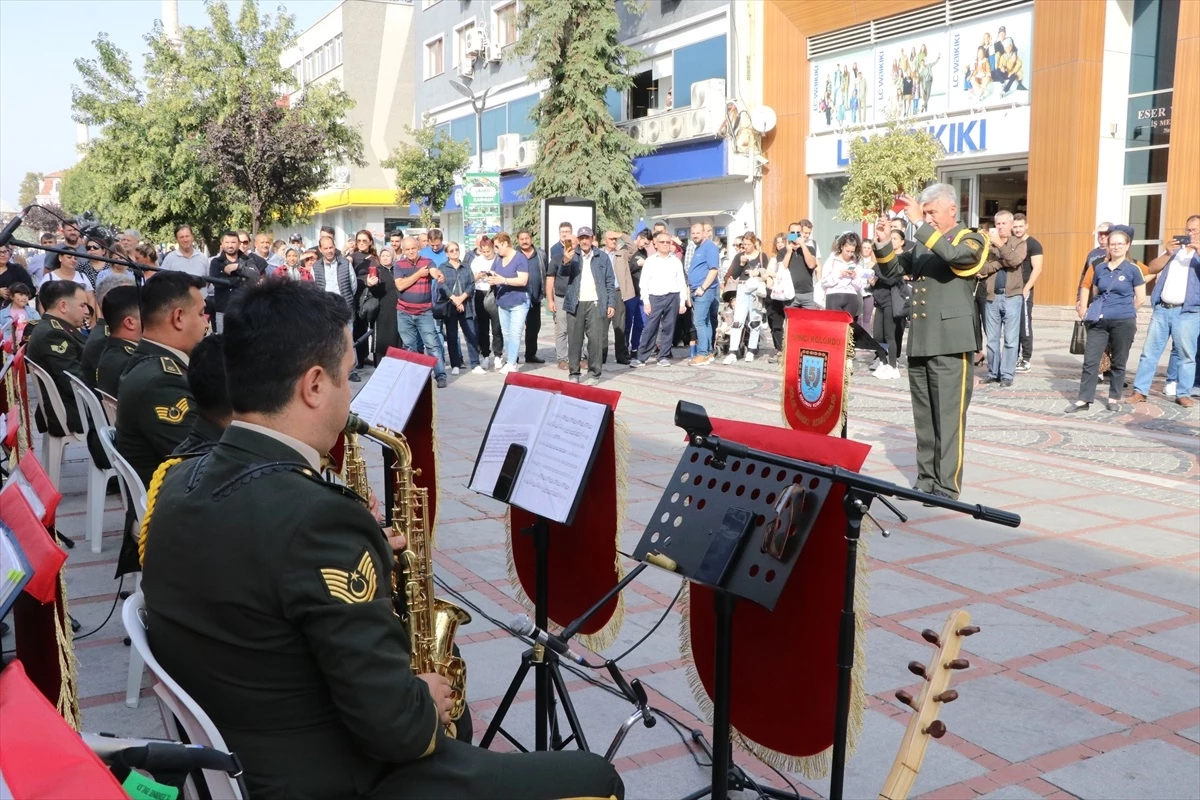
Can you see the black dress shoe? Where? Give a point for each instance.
(1112, 405)
(1006, 383)
(1073, 409)
(534, 360)
(992, 379)
(354, 376)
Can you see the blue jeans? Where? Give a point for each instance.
(422, 330)
(704, 319)
(1003, 322)
(635, 320)
(512, 322)
(1183, 329)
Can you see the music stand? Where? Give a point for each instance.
(705, 485)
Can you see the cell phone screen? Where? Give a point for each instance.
(508, 472)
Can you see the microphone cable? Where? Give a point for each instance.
(111, 609)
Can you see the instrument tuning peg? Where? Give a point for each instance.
(948, 696)
(936, 729)
(917, 668)
(969, 630)
(958, 663)
(931, 637)
(906, 698)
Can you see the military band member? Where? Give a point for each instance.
(56, 345)
(943, 263)
(206, 379)
(155, 407)
(93, 349)
(122, 305)
(267, 591)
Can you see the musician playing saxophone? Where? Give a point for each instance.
(268, 597)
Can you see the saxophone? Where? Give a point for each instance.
(431, 621)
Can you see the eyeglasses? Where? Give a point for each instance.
(364, 241)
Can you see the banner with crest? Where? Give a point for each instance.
(815, 379)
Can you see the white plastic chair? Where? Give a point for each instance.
(179, 710)
(51, 404)
(90, 411)
(110, 406)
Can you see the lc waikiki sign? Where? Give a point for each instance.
(992, 134)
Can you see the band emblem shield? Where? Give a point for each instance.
(812, 375)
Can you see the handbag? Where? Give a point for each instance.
(782, 288)
(1078, 338)
(901, 300)
(441, 301)
(756, 287)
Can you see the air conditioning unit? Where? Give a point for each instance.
(702, 122)
(674, 127)
(495, 53)
(475, 43)
(636, 132)
(651, 131)
(527, 153)
(506, 148)
(466, 66)
(709, 93)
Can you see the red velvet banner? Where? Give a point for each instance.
(45, 556)
(814, 369)
(421, 434)
(784, 672)
(583, 557)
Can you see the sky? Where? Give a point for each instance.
(42, 39)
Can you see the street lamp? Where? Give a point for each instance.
(477, 103)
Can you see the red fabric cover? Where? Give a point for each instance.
(17, 417)
(32, 469)
(45, 556)
(825, 332)
(784, 675)
(421, 435)
(42, 757)
(583, 558)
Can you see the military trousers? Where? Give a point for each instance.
(941, 391)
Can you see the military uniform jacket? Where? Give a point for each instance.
(113, 361)
(93, 348)
(155, 408)
(57, 347)
(943, 269)
(267, 592)
(203, 437)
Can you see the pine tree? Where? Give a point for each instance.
(574, 45)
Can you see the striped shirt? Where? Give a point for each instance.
(418, 298)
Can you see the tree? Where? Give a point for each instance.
(148, 167)
(900, 159)
(31, 184)
(574, 45)
(426, 168)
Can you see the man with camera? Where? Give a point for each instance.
(800, 259)
(1176, 303)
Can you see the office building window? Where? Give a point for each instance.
(463, 129)
(520, 116)
(337, 50)
(461, 33)
(697, 62)
(615, 101)
(435, 57)
(495, 123)
(1151, 79)
(504, 18)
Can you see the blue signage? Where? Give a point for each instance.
(968, 136)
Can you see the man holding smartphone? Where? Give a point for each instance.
(800, 258)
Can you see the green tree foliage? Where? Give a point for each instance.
(30, 185)
(574, 45)
(151, 167)
(426, 168)
(898, 160)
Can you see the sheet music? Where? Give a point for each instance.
(13, 570)
(556, 465)
(391, 394)
(518, 417)
(21, 482)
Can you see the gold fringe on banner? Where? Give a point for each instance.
(817, 765)
(437, 470)
(606, 636)
(68, 664)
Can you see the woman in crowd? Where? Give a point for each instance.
(1111, 317)
(775, 308)
(510, 276)
(749, 271)
(842, 276)
(387, 332)
(487, 329)
(66, 271)
(460, 287)
(362, 259)
(890, 314)
(11, 273)
(291, 267)
(866, 260)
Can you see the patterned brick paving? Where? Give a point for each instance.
(1085, 681)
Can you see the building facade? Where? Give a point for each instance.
(1072, 111)
(699, 75)
(367, 47)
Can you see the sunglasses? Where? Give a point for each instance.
(92, 249)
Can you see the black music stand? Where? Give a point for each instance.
(705, 485)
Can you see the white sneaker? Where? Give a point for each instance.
(498, 363)
(507, 368)
(1196, 391)
(731, 358)
(1169, 389)
(454, 370)
(886, 372)
(749, 356)
(479, 370)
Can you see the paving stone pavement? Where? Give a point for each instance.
(1084, 682)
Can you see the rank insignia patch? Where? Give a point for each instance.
(356, 586)
(175, 413)
(971, 243)
(59, 348)
(170, 367)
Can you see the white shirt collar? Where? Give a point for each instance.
(182, 356)
(309, 453)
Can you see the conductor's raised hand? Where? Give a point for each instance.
(911, 208)
(883, 231)
(439, 690)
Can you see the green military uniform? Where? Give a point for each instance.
(57, 347)
(93, 349)
(943, 336)
(268, 599)
(203, 437)
(113, 361)
(155, 407)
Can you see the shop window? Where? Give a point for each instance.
(520, 116)
(463, 129)
(827, 197)
(697, 62)
(495, 123)
(643, 95)
(1146, 166)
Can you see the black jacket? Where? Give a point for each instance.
(246, 273)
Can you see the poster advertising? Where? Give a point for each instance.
(990, 60)
(578, 212)
(840, 91)
(911, 75)
(481, 206)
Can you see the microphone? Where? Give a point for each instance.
(6, 234)
(522, 625)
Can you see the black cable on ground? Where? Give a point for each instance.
(116, 599)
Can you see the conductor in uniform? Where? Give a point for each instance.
(268, 589)
(943, 335)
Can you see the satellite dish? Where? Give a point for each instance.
(762, 119)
